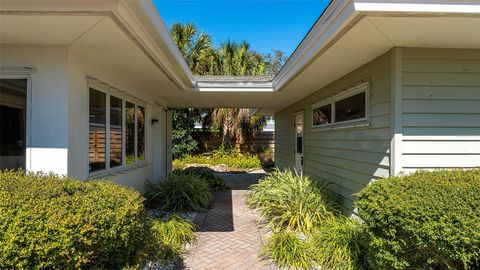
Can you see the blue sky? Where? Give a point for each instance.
(265, 24)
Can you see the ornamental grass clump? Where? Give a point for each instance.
(180, 192)
(287, 199)
(168, 239)
(308, 228)
(426, 220)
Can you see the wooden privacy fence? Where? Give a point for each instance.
(209, 141)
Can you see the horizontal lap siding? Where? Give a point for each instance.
(352, 157)
(441, 109)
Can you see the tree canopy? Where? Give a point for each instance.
(231, 58)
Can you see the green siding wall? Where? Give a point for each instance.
(350, 157)
(441, 108)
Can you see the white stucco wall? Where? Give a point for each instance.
(47, 128)
(57, 126)
(79, 67)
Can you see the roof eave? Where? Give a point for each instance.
(144, 22)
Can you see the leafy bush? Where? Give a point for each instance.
(169, 238)
(52, 222)
(213, 182)
(229, 157)
(289, 199)
(180, 192)
(426, 220)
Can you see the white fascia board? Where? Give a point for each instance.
(234, 87)
(420, 6)
(137, 16)
(84, 6)
(338, 15)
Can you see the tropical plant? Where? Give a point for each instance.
(236, 124)
(183, 124)
(292, 200)
(196, 47)
(425, 220)
(232, 59)
(180, 192)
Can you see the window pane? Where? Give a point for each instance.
(115, 132)
(129, 133)
(322, 115)
(350, 108)
(97, 130)
(13, 105)
(299, 145)
(141, 133)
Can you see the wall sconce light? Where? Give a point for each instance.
(154, 121)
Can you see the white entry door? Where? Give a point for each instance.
(299, 141)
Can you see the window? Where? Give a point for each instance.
(322, 115)
(140, 133)
(125, 138)
(350, 106)
(97, 138)
(130, 133)
(116, 132)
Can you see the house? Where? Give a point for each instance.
(376, 88)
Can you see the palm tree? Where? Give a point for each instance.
(236, 125)
(232, 59)
(195, 46)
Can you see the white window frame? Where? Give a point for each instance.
(125, 97)
(363, 87)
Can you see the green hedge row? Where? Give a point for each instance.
(426, 220)
(52, 222)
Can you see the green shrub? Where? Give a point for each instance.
(426, 220)
(213, 182)
(289, 199)
(168, 239)
(52, 222)
(180, 192)
(231, 158)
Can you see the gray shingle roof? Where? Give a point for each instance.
(234, 79)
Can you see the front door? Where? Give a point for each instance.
(13, 123)
(299, 141)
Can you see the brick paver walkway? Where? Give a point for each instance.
(228, 237)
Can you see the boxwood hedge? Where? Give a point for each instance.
(426, 220)
(51, 222)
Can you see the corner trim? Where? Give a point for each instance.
(396, 153)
